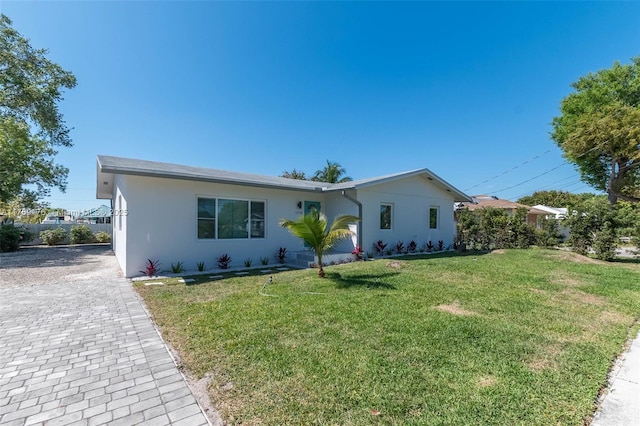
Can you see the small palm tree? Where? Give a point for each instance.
(312, 228)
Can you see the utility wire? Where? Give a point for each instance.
(546, 172)
(510, 170)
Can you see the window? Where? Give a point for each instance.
(433, 218)
(230, 219)
(206, 218)
(257, 219)
(385, 216)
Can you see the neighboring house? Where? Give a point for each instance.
(172, 213)
(552, 212)
(482, 201)
(557, 213)
(57, 218)
(100, 214)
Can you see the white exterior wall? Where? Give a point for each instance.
(119, 220)
(411, 199)
(338, 205)
(162, 223)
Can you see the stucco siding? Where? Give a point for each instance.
(162, 223)
(411, 200)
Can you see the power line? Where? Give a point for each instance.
(530, 179)
(510, 170)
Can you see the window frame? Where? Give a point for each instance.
(390, 206)
(216, 219)
(437, 217)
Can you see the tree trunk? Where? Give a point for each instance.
(320, 267)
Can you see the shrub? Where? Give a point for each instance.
(281, 255)
(440, 245)
(604, 244)
(248, 262)
(224, 261)
(548, 235)
(200, 266)
(399, 247)
(412, 246)
(53, 236)
(9, 238)
(429, 246)
(177, 268)
(358, 252)
(151, 268)
(264, 260)
(379, 247)
(80, 234)
(102, 237)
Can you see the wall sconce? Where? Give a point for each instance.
(299, 204)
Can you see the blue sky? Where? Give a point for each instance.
(466, 89)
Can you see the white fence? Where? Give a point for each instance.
(35, 229)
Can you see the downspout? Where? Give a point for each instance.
(359, 204)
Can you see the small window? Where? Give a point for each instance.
(433, 218)
(385, 216)
(257, 219)
(206, 218)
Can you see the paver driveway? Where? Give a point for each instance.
(77, 347)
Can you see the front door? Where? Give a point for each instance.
(308, 205)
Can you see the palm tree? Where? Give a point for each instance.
(331, 173)
(312, 228)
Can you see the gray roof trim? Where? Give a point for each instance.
(129, 166)
(424, 173)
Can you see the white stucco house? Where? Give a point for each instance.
(173, 213)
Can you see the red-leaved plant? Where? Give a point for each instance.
(358, 252)
(224, 261)
(379, 246)
(282, 254)
(151, 268)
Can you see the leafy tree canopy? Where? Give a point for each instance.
(599, 130)
(554, 198)
(332, 173)
(294, 174)
(31, 127)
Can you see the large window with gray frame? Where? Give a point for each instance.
(224, 218)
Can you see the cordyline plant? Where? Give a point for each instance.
(312, 229)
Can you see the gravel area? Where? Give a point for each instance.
(49, 265)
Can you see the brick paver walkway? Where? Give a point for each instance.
(85, 352)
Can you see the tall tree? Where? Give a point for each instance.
(312, 229)
(553, 198)
(31, 127)
(294, 174)
(599, 130)
(332, 173)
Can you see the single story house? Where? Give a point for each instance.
(482, 201)
(556, 213)
(177, 213)
(100, 214)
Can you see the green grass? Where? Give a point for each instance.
(518, 337)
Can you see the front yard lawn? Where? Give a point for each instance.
(511, 337)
